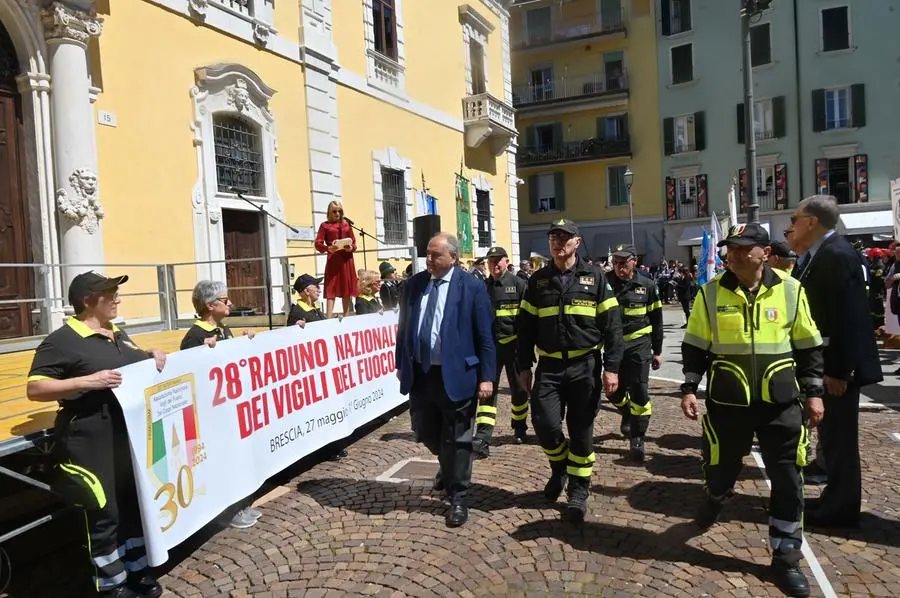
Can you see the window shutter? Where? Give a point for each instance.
(818, 110)
(702, 196)
(781, 188)
(559, 182)
(671, 213)
(669, 136)
(823, 185)
(779, 116)
(686, 23)
(530, 138)
(740, 123)
(601, 127)
(700, 131)
(533, 193)
(861, 165)
(623, 129)
(858, 104)
(665, 13)
(612, 186)
(557, 135)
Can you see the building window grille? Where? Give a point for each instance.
(393, 193)
(483, 217)
(239, 159)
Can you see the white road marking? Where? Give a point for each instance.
(895, 436)
(808, 554)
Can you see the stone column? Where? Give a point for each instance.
(67, 31)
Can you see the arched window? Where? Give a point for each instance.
(239, 157)
(9, 64)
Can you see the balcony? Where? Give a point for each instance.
(567, 28)
(573, 151)
(487, 118)
(688, 209)
(570, 89)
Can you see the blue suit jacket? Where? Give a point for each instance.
(468, 353)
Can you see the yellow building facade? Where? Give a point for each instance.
(140, 128)
(586, 100)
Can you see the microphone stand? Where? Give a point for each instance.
(266, 251)
(363, 234)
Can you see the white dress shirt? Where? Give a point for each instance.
(438, 314)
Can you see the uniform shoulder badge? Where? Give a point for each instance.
(586, 280)
(772, 314)
(509, 290)
(640, 290)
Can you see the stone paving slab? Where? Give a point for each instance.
(336, 530)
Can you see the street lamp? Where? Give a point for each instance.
(629, 180)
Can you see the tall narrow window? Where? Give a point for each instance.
(384, 21)
(837, 108)
(760, 45)
(393, 192)
(239, 160)
(682, 58)
(835, 28)
(618, 193)
(483, 217)
(476, 62)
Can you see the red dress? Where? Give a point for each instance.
(340, 271)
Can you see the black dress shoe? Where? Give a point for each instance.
(521, 435)
(636, 450)
(119, 592)
(708, 513)
(554, 486)
(480, 449)
(144, 585)
(457, 515)
(790, 580)
(438, 483)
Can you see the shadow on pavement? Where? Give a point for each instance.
(617, 541)
(678, 442)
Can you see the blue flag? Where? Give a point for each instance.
(706, 252)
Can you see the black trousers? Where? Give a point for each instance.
(839, 435)
(632, 398)
(95, 472)
(486, 413)
(783, 440)
(566, 389)
(445, 427)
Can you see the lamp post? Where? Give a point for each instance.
(629, 180)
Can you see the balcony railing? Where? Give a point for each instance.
(570, 27)
(485, 107)
(573, 151)
(687, 209)
(568, 88)
(766, 200)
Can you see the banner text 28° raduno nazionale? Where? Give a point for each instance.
(210, 428)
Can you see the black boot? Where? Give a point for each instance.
(790, 580)
(555, 485)
(119, 592)
(521, 433)
(636, 452)
(438, 483)
(480, 448)
(579, 491)
(625, 426)
(708, 513)
(145, 585)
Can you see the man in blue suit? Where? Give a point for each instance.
(446, 362)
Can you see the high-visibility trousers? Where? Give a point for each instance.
(486, 413)
(632, 398)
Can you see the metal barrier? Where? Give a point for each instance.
(49, 276)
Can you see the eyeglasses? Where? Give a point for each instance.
(795, 218)
(619, 262)
(561, 239)
(224, 300)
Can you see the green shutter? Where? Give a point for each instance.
(559, 182)
(530, 138)
(601, 127)
(557, 135)
(700, 131)
(665, 16)
(669, 136)
(779, 116)
(858, 105)
(533, 193)
(818, 109)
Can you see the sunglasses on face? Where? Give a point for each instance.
(561, 239)
(795, 217)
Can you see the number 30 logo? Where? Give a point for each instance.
(176, 496)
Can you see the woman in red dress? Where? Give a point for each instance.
(340, 271)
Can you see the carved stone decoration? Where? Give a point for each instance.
(62, 23)
(239, 95)
(83, 207)
(215, 216)
(261, 33)
(198, 8)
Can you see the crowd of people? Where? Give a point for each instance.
(783, 335)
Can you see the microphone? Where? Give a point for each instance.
(350, 222)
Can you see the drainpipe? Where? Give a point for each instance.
(799, 99)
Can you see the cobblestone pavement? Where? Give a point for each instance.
(345, 529)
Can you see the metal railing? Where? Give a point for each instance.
(566, 27)
(688, 209)
(174, 302)
(571, 87)
(573, 151)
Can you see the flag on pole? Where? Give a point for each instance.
(712, 259)
(703, 275)
(732, 206)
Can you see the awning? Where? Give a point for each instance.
(865, 223)
(691, 235)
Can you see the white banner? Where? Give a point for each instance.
(895, 207)
(891, 320)
(210, 428)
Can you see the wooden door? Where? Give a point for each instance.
(15, 283)
(244, 239)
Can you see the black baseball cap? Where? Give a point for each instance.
(746, 235)
(496, 252)
(624, 251)
(305, 280)
(385, 268)
(91, 282)
(781, 249)
(565, 225)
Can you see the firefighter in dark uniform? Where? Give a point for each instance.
(77, 365)
(642, 331)
(505, 290)
(752, 334)
(569, 313)
(306, 309)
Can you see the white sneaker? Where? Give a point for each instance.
(242, 520)
(256, 514)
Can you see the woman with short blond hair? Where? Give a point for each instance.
(336, 238)
(368, 301)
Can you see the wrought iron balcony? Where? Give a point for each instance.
(568, 27)
(573, 151)
(485, 117)
(570, 88)
(688, 209)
